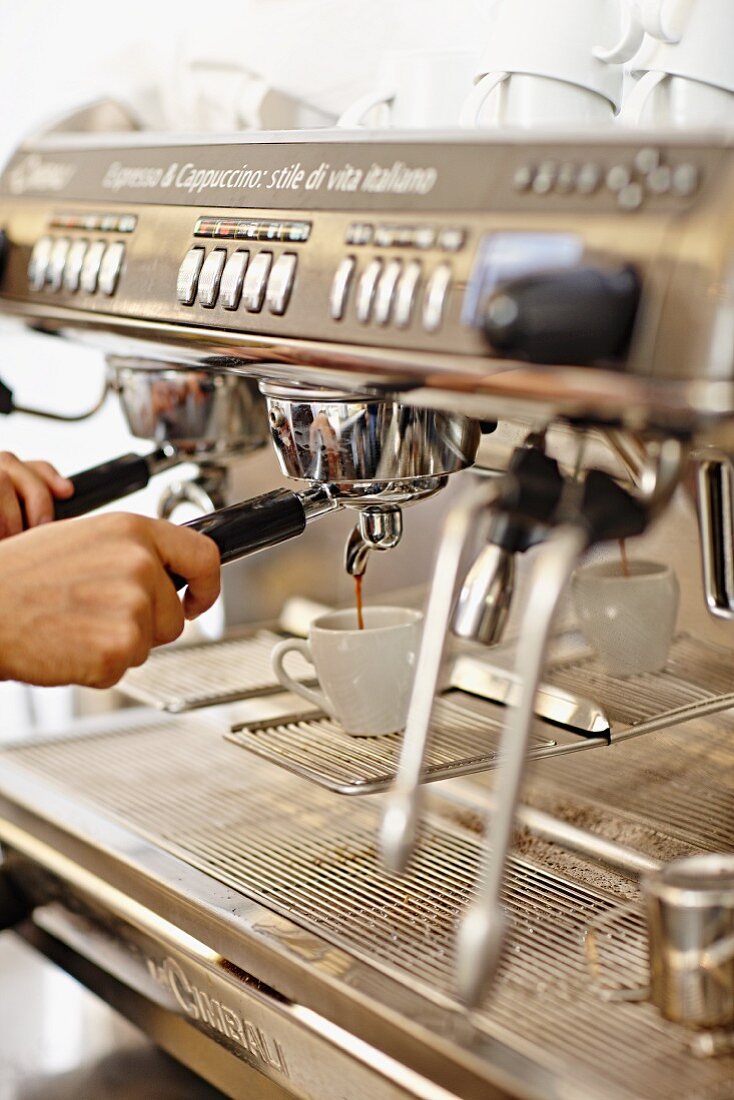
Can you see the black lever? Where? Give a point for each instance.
(581, 316)
(253, 525)
(112, 480)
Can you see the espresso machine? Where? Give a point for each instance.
(379, 305)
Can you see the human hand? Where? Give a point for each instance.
(27, 493)
(81, 601)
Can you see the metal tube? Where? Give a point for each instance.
(482, 930)
(400, 822)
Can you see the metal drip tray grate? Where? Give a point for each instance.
(698, 679)
(186, 677)
(466, 734)
(466, 728)
(312, 858)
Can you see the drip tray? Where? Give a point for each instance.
(465, 739)
(184, 678)
(467, 724)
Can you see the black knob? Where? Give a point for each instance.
(578, 317)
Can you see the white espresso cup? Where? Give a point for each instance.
(415, 90)
(685, 69)
(628, 620)
(365, 676)
(543, 65)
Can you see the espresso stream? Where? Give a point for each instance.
(625, 561)
(358, 597)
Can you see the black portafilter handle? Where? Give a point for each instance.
(253, 525)
(111, 481)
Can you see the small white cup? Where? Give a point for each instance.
(556, 48)
(415, 90)
(366, 675)
(628, 620)
(661, 100)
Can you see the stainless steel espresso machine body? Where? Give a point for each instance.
(391, 299)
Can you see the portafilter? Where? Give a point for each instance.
(375, 455)
(192, 416)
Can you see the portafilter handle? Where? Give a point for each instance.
(262, 522)
(112, 480)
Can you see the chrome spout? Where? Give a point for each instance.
(485, 597)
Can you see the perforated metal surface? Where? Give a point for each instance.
(466, 734)
(184, 678)
(311, 856)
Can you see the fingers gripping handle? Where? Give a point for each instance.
(252, 525)
(281, 651)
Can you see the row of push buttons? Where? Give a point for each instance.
(646, 174)
(75, 264)
(250, 279)
(405, 236)
(388, 291)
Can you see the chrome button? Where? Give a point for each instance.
(234, 273)
(340, 287)
(280, 283)
(73, 267)
(405, 298)
(188, 276)
(38, 263)
(253, 289)
(90, 267)
(109, 269)
(385, 294)
(434, 302)
(57, 260)
(366, 290)
(210, 276)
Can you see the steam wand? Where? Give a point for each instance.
(605, 511)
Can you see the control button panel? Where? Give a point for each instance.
(38, 265)
(406, 294)
(110, 267)
(210, 277)
(253, 229)
(73, 266)
(280, 283)
(90, 267)
(232, 278)
(366, 290)
(256, 281)
(188, 276)
(645, 176)
(434, 302)
(385, 294)
(106, 223)
(73, 263)
(447, 239)
(340, 287)
(57, 260)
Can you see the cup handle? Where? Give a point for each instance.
(635, 102)
(477, 98)
(353, 117)
(280, 652)
(629, 43)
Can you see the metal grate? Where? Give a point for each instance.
(311, 857)
(186, 677)
(465, 738)
(698, 679)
